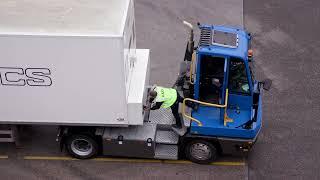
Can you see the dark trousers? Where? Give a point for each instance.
(175, 110)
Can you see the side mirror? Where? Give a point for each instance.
(266, 84)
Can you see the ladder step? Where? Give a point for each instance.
(7, 135)
(9, 132)
(161, 116)
(166, 137)
(164, 151)
(7, 140)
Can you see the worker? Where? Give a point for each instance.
(161, 97)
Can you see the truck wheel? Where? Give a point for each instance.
(201, 152)
(82, 146)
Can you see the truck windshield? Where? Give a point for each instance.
(238, 79)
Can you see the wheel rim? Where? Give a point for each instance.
(81, 147)
(200, 151)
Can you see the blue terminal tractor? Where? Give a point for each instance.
(218, 78)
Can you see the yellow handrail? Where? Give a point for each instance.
(225, 105)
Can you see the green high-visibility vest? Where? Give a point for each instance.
(166, 95)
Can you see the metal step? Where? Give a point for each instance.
(9, 133)
(161, 116)
(165, 151)
(164, 117)
(7, 136)
(166, 137)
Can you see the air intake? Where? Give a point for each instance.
(206, 36)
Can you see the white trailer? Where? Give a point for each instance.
(71, 63)
(75, 64)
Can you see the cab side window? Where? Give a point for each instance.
(238, 79)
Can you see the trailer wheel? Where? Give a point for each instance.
(201, 152)
(82, 146)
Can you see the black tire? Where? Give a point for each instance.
(201, 152)
(82, 146)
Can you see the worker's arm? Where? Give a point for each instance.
(156, 106)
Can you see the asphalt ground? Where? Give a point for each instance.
(285, 48)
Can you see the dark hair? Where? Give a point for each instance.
(153, 94)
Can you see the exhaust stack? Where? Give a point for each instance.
(191, 35)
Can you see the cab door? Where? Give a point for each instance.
(240, 92)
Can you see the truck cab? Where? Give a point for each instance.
(223, 78)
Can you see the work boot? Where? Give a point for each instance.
(180, 130)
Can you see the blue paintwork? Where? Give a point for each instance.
(239, 105)
(241, 51)
(213, 125)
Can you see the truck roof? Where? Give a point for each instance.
(61, 17)
(230, 41)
